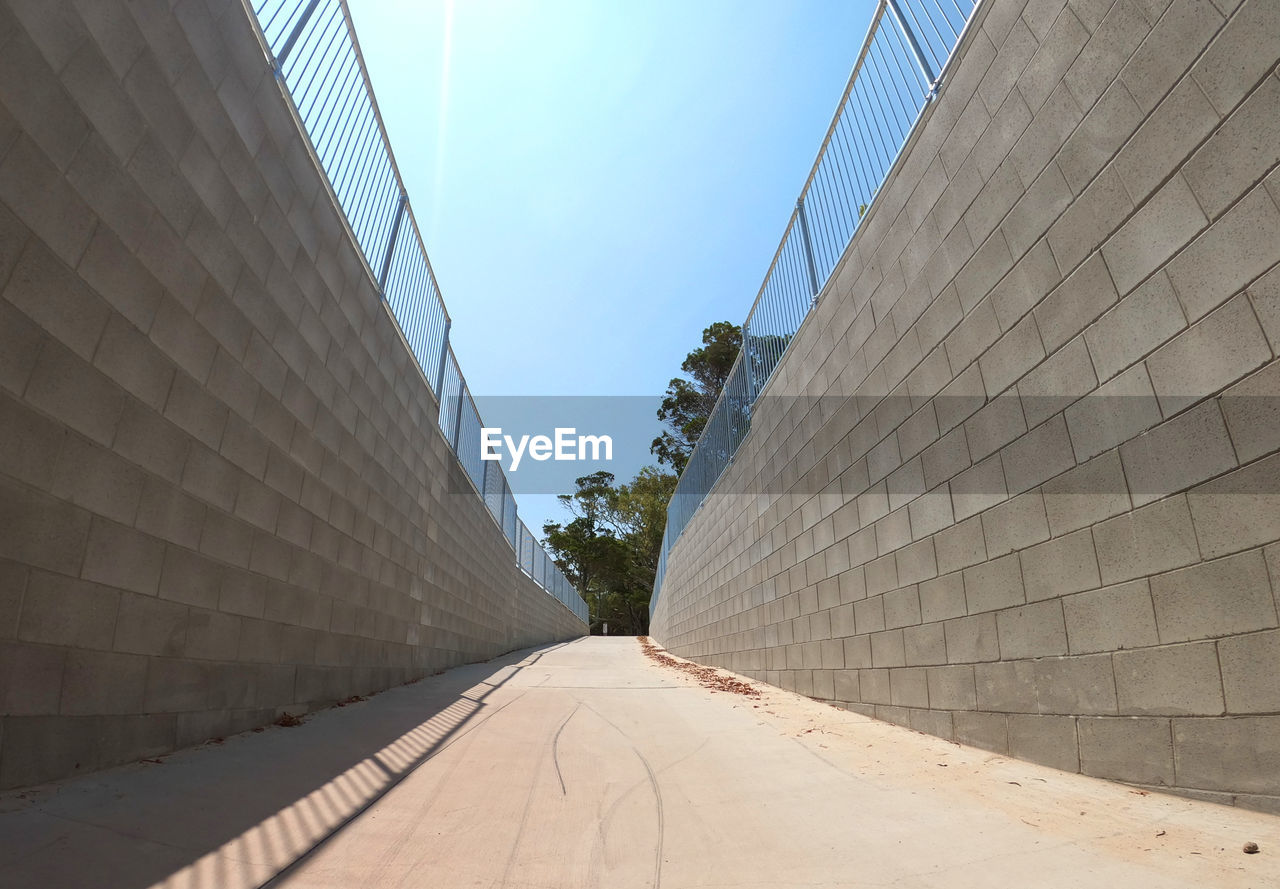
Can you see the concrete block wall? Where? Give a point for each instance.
(1016, 482)
(222, 490)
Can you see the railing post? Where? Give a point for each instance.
(457, 417)
(444, 353)
(484, 484)
(929, 76)
(808, 248)
(391, 245)
(293, 37)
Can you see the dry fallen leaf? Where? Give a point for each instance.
(708, 677)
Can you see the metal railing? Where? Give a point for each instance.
(313, 48)
(906, 52)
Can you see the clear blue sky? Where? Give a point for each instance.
(598, 180)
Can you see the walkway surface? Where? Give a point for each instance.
(587, 764)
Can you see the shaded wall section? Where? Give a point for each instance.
(1016, 483)
(222, 489)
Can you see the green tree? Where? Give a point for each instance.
(610, 549)
(642, 507)
(688, 402)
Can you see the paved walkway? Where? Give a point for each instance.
(588, 765)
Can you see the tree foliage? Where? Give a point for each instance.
(610, 549)
(688, 402)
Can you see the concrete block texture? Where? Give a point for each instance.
(1074, 270)
(1130, 749)
(1048, 740)
(220, 493)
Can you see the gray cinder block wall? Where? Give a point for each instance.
(1030, 497)
(222, 489)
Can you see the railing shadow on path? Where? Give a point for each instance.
(241, 812)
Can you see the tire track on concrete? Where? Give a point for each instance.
(555, 749)
(657, 795)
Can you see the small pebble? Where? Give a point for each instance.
(1250, 848)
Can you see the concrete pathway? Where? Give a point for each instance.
(588, 765)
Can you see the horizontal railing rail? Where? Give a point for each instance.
(313, 49)
(907, 50)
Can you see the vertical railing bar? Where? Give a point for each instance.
(779, 305)
(404, 274)
(889, 109)
(788, 269)
(824, 242)
(429, 338)
(904, 52)
(812, 200)
(370, 201)
(802, 299)
(907, 82)
(283, 55)
(906, 79)
(304, 57)
(840, 223)
(406, 271)
(349, 113)
(873, 132)
(384, 209)
(414, 306)
(381, 220)
(785, 305)
(341, 101)
(914, 25)
(430, 349)
(825, 202)
(848, 188)
(915, 46)
(771, 324)
(457, 419)
(862, 129)
(946, 18)
(764, 348)
(803, 274)
(272, 20)
(352, 143)
(860, 151)
(391, 245)
(304, 88)
(347, 83)
(933, 26)
(440, 373)
(902, 121)
(857, 186)
(348, 72)
(353, 174)
(364, 208)
(368, 176)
